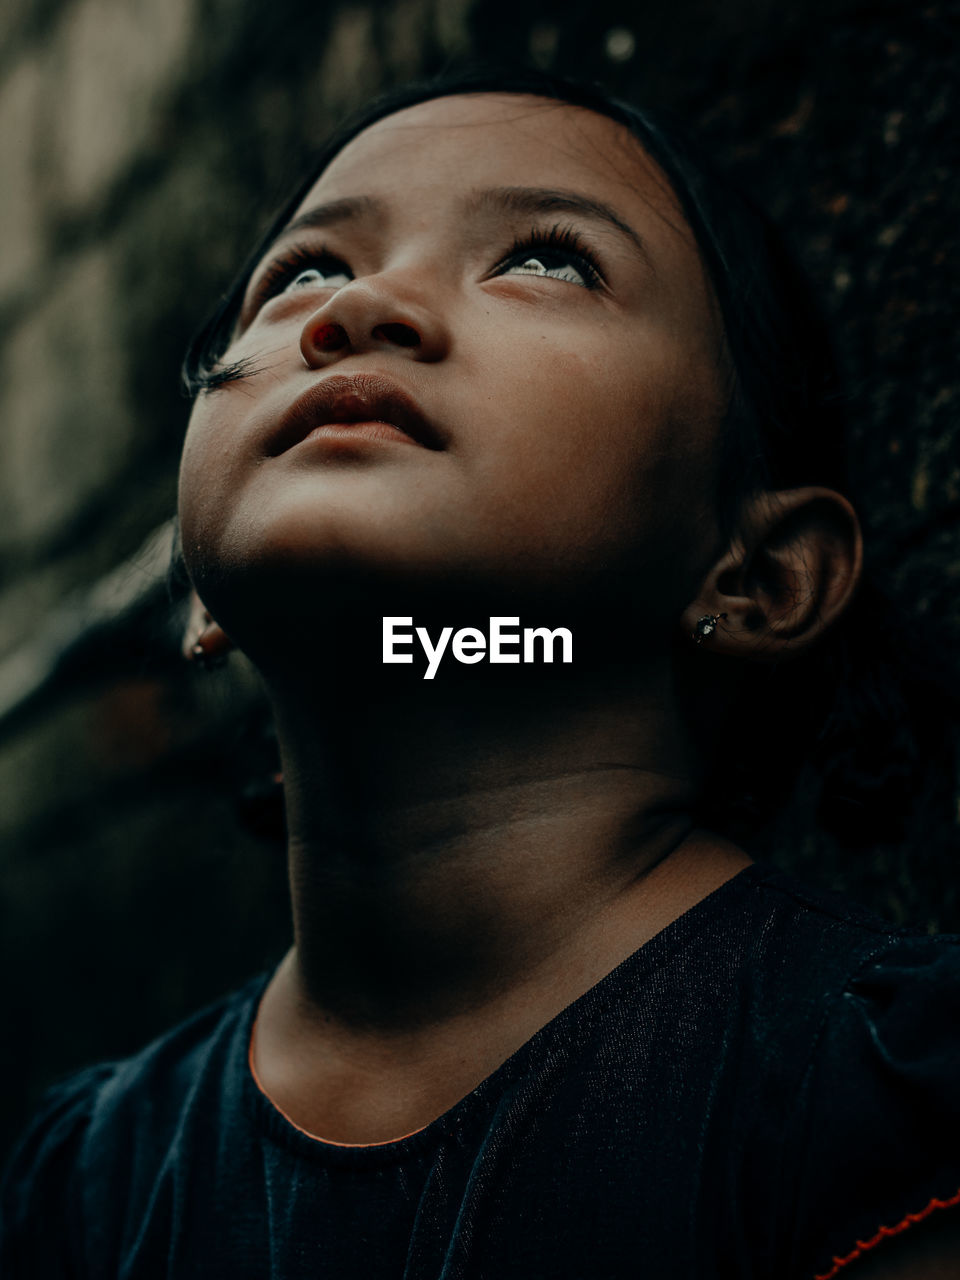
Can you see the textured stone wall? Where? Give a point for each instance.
(142, 144)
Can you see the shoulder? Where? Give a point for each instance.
(847, 1065)
(798, 905)
(819, 948)
(101, 1134)
(876, 1124)
(36, 1231)
(877, 999)
(783, 952)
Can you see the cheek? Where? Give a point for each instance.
(205, 477)
(590, 423)
(612, 465)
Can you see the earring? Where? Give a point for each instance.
(206, 660)
(706, 626)
(209, 650)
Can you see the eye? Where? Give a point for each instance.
(556, 266)
(330, 278)
(300, 268)
(557, 254)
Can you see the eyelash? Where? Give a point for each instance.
(287, 268)
(561, 240)
(558, 239)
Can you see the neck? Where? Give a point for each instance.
(450, 841)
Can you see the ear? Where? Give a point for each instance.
(784, 578)
(204, 641)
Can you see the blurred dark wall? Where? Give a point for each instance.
(142, 144)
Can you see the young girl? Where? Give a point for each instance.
(515, 468)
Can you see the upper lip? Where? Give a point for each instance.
(359, 397)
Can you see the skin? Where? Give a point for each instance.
(493, 350)
(468, 856)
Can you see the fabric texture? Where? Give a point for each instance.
(754, 1093)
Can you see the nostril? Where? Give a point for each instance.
(401, 335)
(329, 337)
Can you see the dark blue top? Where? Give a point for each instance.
(756, 1092)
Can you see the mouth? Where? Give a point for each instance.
(369, 404)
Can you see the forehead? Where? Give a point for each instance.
(466, 141)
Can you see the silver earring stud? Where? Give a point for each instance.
(706, 626)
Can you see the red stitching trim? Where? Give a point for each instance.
(864, 1245)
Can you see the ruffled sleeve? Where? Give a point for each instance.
(39, 1220)
(878, 1121)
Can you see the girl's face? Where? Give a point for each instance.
(520, 271)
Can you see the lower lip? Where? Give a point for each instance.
(350, 431)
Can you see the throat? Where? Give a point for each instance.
(423, 913)
(357, 1082)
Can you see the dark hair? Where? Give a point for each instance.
(845, 709)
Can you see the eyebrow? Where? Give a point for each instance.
(329, 214)
(524, 200)
(531, 200)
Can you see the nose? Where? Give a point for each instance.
(376, 313)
